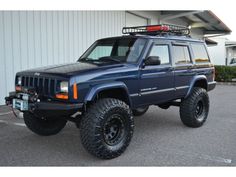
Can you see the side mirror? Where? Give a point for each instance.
(152, 60)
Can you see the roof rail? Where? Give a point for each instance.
(157, 30)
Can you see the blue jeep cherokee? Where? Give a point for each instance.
(115, 79)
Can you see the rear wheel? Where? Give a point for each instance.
(43, 126)
(107, 128)
(140, 111)
(194, 109)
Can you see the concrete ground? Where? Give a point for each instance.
(160, 139)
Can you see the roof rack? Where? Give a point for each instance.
(157, 30)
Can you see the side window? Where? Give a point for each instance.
(200, 53)
(161, 51)
(181, 54)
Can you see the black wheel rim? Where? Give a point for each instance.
(199, 110)
(114, 130)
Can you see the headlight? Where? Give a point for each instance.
(64, 87)
(19, 80)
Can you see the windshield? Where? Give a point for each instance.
(120, 50)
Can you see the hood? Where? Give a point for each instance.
(70, 69)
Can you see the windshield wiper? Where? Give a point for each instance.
(89, 60)
(109, 59)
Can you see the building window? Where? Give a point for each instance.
(181, 54)
(162, 51)
(200, 53)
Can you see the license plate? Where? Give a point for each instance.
(20, 104)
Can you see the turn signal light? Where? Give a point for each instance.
(75, 91)
(62, 96)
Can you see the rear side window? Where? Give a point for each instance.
(200, 53)
(181, 54)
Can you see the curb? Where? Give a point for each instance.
(226, 83)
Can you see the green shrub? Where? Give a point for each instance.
(225, 73)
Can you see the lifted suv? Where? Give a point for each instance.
(115, 79)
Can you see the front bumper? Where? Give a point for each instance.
(46, 108)
(56, 106)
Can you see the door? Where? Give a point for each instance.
(157, 81)
(183, 68)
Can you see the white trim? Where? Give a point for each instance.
(182, 87)
(157, 91)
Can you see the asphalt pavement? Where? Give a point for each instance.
(160, 139)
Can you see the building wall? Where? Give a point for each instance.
(218, 52)
(152, 16)
(135, 20)
(31, 39)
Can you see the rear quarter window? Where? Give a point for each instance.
(199, 53)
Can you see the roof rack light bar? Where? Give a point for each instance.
(157, 29)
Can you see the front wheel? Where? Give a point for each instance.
(194, 109)
(107, 128)
(44, 126)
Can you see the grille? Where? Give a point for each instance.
(42, 85)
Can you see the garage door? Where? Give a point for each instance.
(134, 20)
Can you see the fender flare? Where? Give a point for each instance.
(106, 86)
(193, 81)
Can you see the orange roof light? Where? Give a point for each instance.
(157, 28)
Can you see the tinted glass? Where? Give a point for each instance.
(162, 51)
(181, 54)
(200, 53)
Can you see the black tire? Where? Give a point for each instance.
(43, 126)
(140, 111)
(106, 128)
(194, 109)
